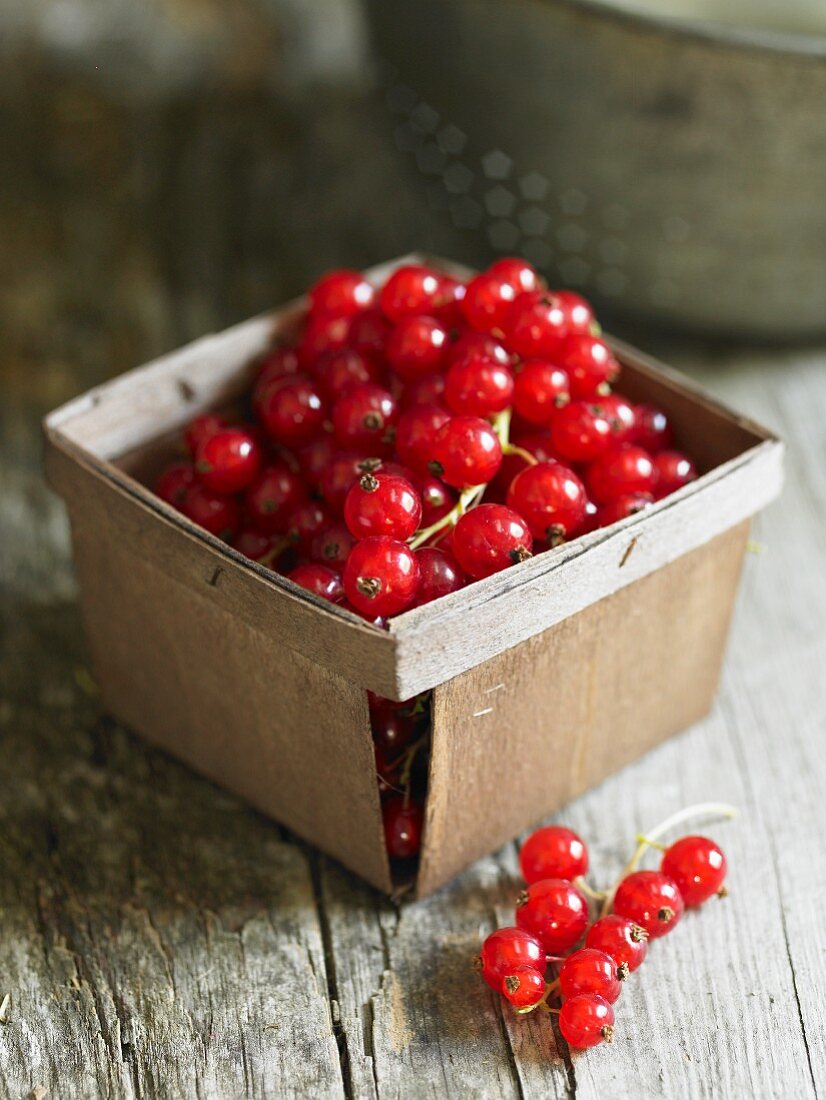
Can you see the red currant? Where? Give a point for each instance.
(466, 451)
(363, 417)
(293, 410)
(652, 429)
(551, 499)
(201, 428)
(320, 580)
(403, 821)
(417, 347)
(540, 389)
(381, 576)
(672, 470)
(382, 504)
(410, 290)
(392, 730)
(440, 574)
(314, 459)
(586, 1021)
(627, 505)
(369, 332)
(424, 391)
(339, 370)
(621, 416)
(581, 432)
(332, 547)
(448, 305)
(698, 867)
(622, 470)
(415, 431)
(478, 388)
(555, 912)
(487, 300)
(490, 538)
(535, 325)
(507, 950)
(592, 971)
(619, 937)
(253, 544)
(524, 987)
(437, 499)
(175, 482)
(323, 332)
(306, 521)
(342, 472)
(650, 899)
(273, 496)
(228, 461)
(516, 271)
(215, 512)
(553, 852)
(589, 364)
(471, 346)
(341, 293)
(277, 362)
(579, 316)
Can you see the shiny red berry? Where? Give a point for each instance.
(343, 471)
(424, 391)
(175, 482)
(490, 538)
(341, 293)
(624, 940)
(590, 365)
(323, 332)
(417, 347)
(698, 867)
(215, 512)
(200, 429)
(369, 332)
(591, 971)
(382, 504)
(621, 416)
(392, 730)
(339, 370)
(293, 410)
(507, 950)
(466, 451)
(553, 852)
(652, 429)
(471, 346)
(307, 520)
(332, 547)
(487, 299)
(478, 388)
(440, 574)
(320, 580)
(524, 987)
(254, 544)
(555, 912)
(650, 899)
(410, 290)
(581, 432)
(415, 432)
(540, 389)
(437, 499)
(277, 363)
(579, 315)
(586, 1021)
(314, 459)
(363, 419)
(381, 576)
(519, 273)
(551, 499)
(621, 471)
(535, 325)
(403, 820)
(228, 461)
(273, 496)
(622, 507)
(672, 470)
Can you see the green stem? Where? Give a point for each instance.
(465, 501)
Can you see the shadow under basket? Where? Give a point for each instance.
(545, 678)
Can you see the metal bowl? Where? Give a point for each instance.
(674, 170)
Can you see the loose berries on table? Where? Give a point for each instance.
(589, 970)
(554, 911)
(553, 852)
(624, 940)
(650, 899)
(586, 1021)
(524, 987)
(697, 866)
(507, 950)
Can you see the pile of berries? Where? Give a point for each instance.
(591, 960)
(414, 438)
(401, 739)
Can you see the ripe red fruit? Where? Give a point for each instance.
(369, 331)
(416, 347)
(276, 363)
(403, 819)
(488, 297)
(623, 470)
(466, 451)
(650, 899)
(253, 544)
(592, 971)
(332, 547)
(314, 459)
(551, 499)
(415, 432)
(586, 1021)
(410, 290)
(273, 496)
(698, 867)
(621, 416)
(480, 387)
(652, 429)
(535, 325)
(323, 332)
(201, 428)
(553, 852)
(516, 271)
(477, 345)
(343, 471)
(490, 538)
(424, 391)
(622, 507)
(672, 470)
(215, 512)
(363, 417)
(392, 730)
(437, 499)
(341, 293)
(589, 364)
(175, 482)
(507, 950)
(579, 316)
(382, 504)
(524, 987)
(228, 461)
(540, 389)
(339, 370)
(555, 912)
(581, 432)
(381, 576)
(320, 580)
(292, 410)
(440, 574)
(619, 937)
(305, 522)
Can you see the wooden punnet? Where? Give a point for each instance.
(546, 678)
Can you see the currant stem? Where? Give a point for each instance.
(542, 1003)
(466, 500)
(648, 839)
(589, 891)
(512, 449)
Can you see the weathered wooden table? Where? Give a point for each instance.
(158, 938)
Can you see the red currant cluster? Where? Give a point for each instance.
(401, 739)
(375, 434)
(553, 917)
